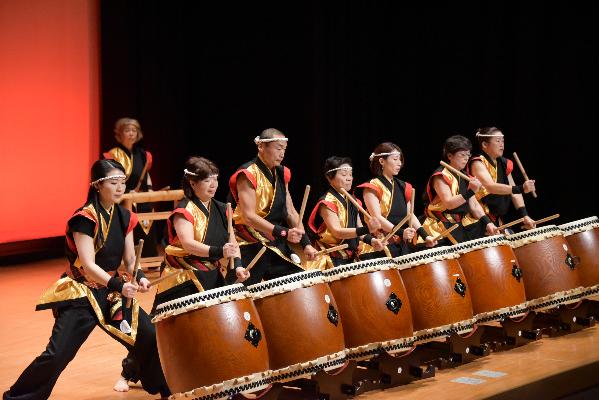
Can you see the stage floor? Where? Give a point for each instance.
(96, 367)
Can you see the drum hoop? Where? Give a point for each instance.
(199, 300)
(367, 351)
(581, 225)
(482, 243)
(228, 388)
(556, 299)
(308, 368)
(527, 237)
(415, 259)
(345, 271)
(502, 313)
(286, 283)
(426, 335)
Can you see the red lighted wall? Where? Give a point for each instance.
(49, 116)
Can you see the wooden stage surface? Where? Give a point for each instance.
(24, 334)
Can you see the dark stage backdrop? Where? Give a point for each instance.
(338, 78)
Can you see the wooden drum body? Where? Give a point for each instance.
(549, 267)
(374, 307)
(583, 238)
(212, 343)
(301, 324)
(438, 292)
(495, 280)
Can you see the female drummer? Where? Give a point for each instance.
(387, 199)
(334, 220)
(450, 199)
(199, 243)
(495, 173)
(92, 292)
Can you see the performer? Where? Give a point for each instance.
(137, 162)
(264, 214)
(388, 199)
(495, 173)
(91, 292)
(198, 237)
(335, 221)
(450, 199)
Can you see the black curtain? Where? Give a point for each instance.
(340, 77)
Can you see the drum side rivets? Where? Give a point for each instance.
(460, 287)
(393, 303)
(399, 370)
(516, 271)
(247, 316)
(253, 335)
(327, 299)
(333, 315)
(387, 282)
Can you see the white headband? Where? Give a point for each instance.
(275, 139)
(372, 155)
(494, 134)
(108, 177)
(337, 169)
(186, 172)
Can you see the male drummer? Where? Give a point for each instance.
(264, 214)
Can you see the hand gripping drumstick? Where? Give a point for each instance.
(396, 228)
(534, 193)
(231, 233)
(254, 260)
(519, 220)
(332, 249)
(140, 246)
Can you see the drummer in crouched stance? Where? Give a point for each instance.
(334, 220)
(198, 238)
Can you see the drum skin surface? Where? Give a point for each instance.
(208, 346)
(433, 299)
(362, 301)
(544, 267)
(585, 246)
(297, 327)
(492, 279)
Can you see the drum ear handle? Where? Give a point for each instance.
(460, 286)
(516, 271)
(333, 315)
(393, 303)
(253, 335)
(572, 261)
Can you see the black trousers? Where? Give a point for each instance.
(71, 328)
(269, 266)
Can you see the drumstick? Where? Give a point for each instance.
(231, 233)
(355, 203)
(451, 238)
(534, 193)
(256, 258)
(502, 227)
(396, 228)
(446, 232)
(460, 173)
(303, 207)
(543, 220)
(331, 249)
(162, 278)
(411, 213)
(140, 246)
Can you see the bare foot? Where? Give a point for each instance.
(121, 385)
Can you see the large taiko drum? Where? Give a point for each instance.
(373, 306)
(494, 277)
(438, 292)
(583, 238)
(301, 325)
(549, 267)
(212, 343)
